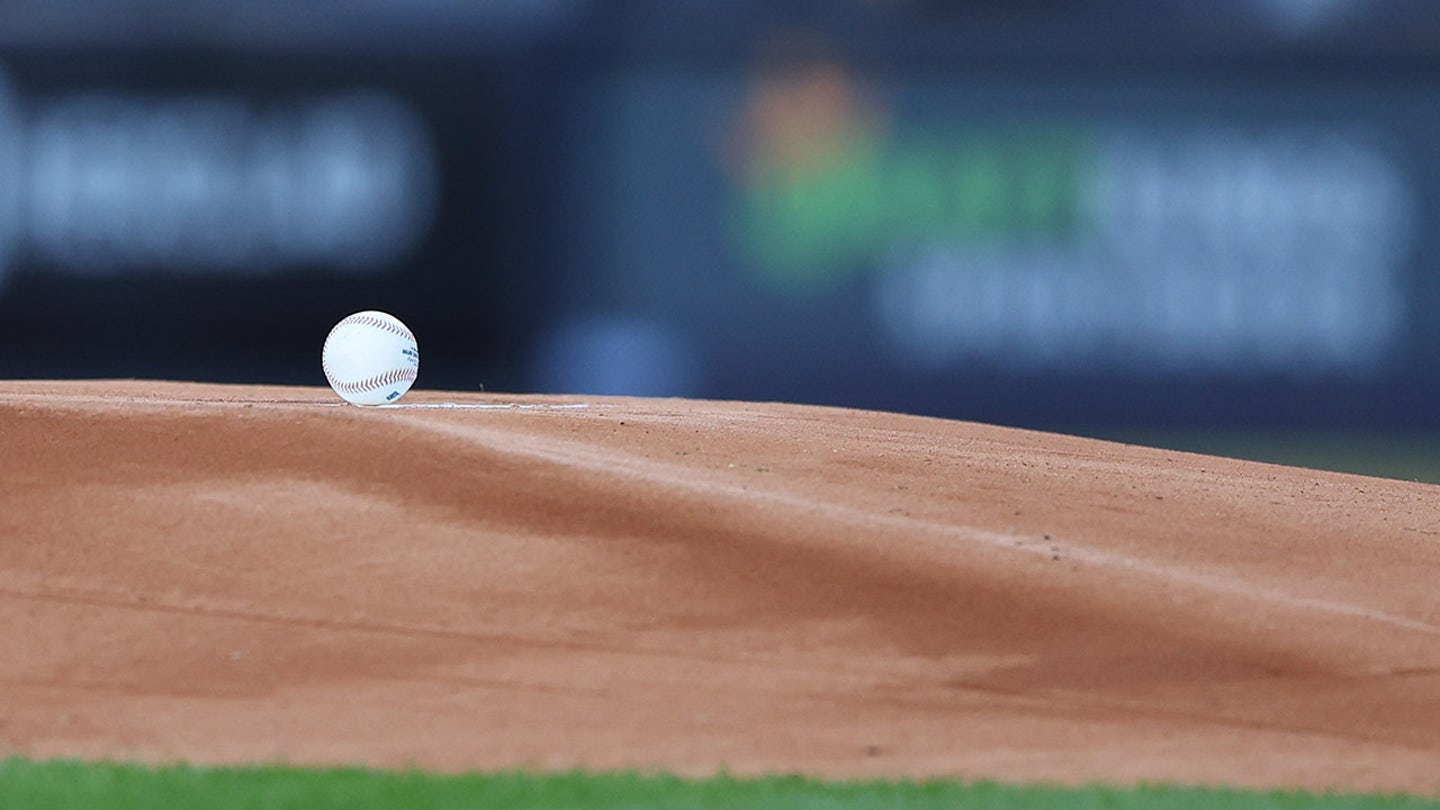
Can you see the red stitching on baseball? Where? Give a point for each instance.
(379, 323)
(371, 383)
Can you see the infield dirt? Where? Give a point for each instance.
(244, 574)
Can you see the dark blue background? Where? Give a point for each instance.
(580, 231)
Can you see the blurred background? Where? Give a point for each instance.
(1210, 226)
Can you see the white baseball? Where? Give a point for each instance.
(370, 358)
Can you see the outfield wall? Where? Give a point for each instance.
(1037, 221)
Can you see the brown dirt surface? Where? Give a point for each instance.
(244, 574)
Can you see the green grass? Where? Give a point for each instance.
(1401, 456)
(30, 785)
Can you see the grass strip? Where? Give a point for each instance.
(40, 785)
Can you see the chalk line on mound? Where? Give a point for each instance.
(482, 406)
(72, 401)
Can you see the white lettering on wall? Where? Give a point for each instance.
(110, 183)
(1211, 250)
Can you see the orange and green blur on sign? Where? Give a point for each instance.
(828, 184)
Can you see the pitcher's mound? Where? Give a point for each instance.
(238, 574)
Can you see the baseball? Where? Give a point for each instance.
(370, 358)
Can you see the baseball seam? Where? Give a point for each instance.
(371, 383)
(388, 326)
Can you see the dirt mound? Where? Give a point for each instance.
(240, 574)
